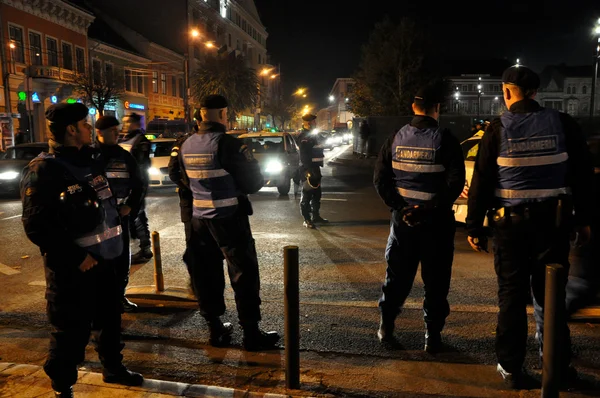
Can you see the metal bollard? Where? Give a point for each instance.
(291, 281)
(159, 280)
(554, 313)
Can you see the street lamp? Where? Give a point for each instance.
(479, 94)
(331, 98)
(595, 75)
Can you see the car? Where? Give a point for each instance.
(160, 153)
(470, 147)
(327, 140)
(277, 155)
(12, 163)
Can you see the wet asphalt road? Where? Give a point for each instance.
(341, 270)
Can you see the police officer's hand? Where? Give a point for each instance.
(88, 263)
(124, 210)
(581, 236)
(478, 243)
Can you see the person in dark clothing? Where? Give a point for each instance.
(79, 243)
(138, 145)
(220, 172)
(532, 171)
(419, 174)
(311, 161)
(365, 135)
(124, 177)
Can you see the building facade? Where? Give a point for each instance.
(337, 115)
(476, 95)
(44, 45)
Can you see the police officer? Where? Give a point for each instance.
(532, 171)
(311, 161)
(138, 145)
(220, 172)
(128, 187)
(70, 213)
(419, 174)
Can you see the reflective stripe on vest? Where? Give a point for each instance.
(105, 240)
(532, 162)
(117, 174)
(418, 171)
(213, 188)
(317, 155)
(130, 143)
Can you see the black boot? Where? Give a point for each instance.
(122, 375)
(64, 393)
(385, 333)
(141, 257)
(220, 333)
(319, 219)
(128, 306)
(433, 342)
(257, 340)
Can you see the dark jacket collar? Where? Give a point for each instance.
(525, 106)
(423, 122)
(212, 127)
(83, 156)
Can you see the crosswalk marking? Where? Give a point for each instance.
(6, 270)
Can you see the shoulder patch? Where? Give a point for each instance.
(29, 191)
(246, 152)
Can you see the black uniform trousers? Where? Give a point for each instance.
(123, 262)
(211, 241)
(139, 227)
(78, 303)
(310, 201)
(431, 244)
(525, 240)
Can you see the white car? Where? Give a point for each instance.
(470, 148)
(160, 153)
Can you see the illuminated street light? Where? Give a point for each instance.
(331, 98)
(12, 46)
(300, 91)
(209, 44)
(274, 76)
(195, 33)
(266, 71)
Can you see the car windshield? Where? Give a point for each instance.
(470, 149)
(265, 144)
(23, 153)
(160, 149)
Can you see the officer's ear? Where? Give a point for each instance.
(71, 129)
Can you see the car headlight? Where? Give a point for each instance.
(153, 171)
(274, 166)
(9, 175)
(329, 141)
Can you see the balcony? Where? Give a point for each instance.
(51, 73)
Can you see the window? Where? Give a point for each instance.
(568, 90)
(465, 88)
(291, 145)
(181, 88)
(16, 37)
(35, 48)
(127, 80)
(229, 39)
(196, 52)
(155, 82)
(97, 71)
(584, 90)
(80, 59)
(163, 83)
(173, 86)
(52, 48)
(229, 14)
(244, 25)
(108, 72)
(574, 90)
(237, 44)
(496, 88)
(140, 83)
(259, 59)
(67, 56)
(195, 17)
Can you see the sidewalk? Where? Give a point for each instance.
(348, 159)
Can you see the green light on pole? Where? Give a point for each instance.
(268, 124)
(71, 100)
(22, 96)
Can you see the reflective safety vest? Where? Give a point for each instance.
(532, 163)
(418, 171)
(118, 176)
(317, 155)
(129, 144)
(105, 240)
(213, 188)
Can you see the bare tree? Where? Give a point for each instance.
(99, 90)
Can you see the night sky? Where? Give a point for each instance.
(317, 41)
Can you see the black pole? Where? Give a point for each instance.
(291, 280)
(594, 77)
(554, 313)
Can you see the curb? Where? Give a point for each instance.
(91, 382)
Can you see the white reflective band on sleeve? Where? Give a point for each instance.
(120, 201)
(127, 147)
(533, 161)
(317, 159)
(206, 173)
(408, 193)
(92, 240)
(214, 204)
(117, 174)
(531, 193)
(418, 168)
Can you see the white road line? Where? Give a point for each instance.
(8, 218)
(6, 270)
(37, 283)
(335, 200)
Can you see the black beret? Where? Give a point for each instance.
(214, 101)
(106, 122)
(309, 117)
(521, 76)
(429, 95)
(66, 114)
(134, 117)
